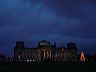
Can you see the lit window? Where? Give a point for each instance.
(33, 60)
(27, 60)
(19, 56)
(30, 60)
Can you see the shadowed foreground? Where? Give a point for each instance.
(30, 67)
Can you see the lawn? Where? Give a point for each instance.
(33, 67)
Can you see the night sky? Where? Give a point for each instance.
(61, 21)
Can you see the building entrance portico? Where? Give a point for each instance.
(46, 54)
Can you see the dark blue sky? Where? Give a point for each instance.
(53, 20)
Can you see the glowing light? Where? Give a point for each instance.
(82, 57)
(30, 60)
(27, 60)
(19, 57)
(33, 60)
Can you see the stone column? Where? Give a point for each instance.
(50, 54)
(44, 54)
(47, 54)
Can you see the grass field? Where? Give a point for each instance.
(48, 67)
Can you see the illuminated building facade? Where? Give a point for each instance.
(45, 51)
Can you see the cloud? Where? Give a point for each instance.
(70, 8)
(56, 20)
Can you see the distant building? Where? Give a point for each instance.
(3, 59)
(45, 51)
(93, 58)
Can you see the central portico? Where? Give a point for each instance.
(46, 50)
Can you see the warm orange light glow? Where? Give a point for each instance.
(82, 57)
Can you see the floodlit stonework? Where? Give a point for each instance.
(45, 51)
